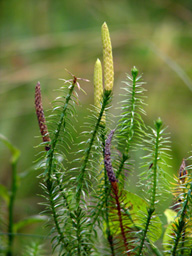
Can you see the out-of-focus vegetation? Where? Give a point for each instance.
(39, 39)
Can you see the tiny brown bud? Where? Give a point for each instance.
(182, 172)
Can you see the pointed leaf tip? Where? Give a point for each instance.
(134, 72)
(158, 123)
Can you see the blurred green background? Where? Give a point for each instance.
(39, 39)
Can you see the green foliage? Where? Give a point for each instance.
(178, 235)
(35, 249)
(85, 180)
(10, 229)
(94, 213)
(131, 122)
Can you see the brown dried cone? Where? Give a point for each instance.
(107, 160)
(40, 116)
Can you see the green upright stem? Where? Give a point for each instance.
(131, 124)
(150, 213)
(132, 112)
(152, 246)
(181, 222)
(12, 193)
(50, 156)
(78, 231)
(11, 208)
(54, 213)
(57, 132)
(80, 178)
(151, 210)
(155, 167)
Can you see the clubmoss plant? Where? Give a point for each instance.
(91, 208)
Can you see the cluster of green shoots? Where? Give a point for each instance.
(87, 194)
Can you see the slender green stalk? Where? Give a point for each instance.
(158, 125)
(151, 209)
(57, 132)
(50, 184)
(50, 156)
(128, 122)
(54, 213)
(132, 112)
(150, 213)
(152, 246)
(181, 222)
(78, 231)
(15, 154)
(65, 199)
(80, 178)
(11, 208)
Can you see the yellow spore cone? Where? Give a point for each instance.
(98, 84)
(107, 58)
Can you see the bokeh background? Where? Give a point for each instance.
(40, 38)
